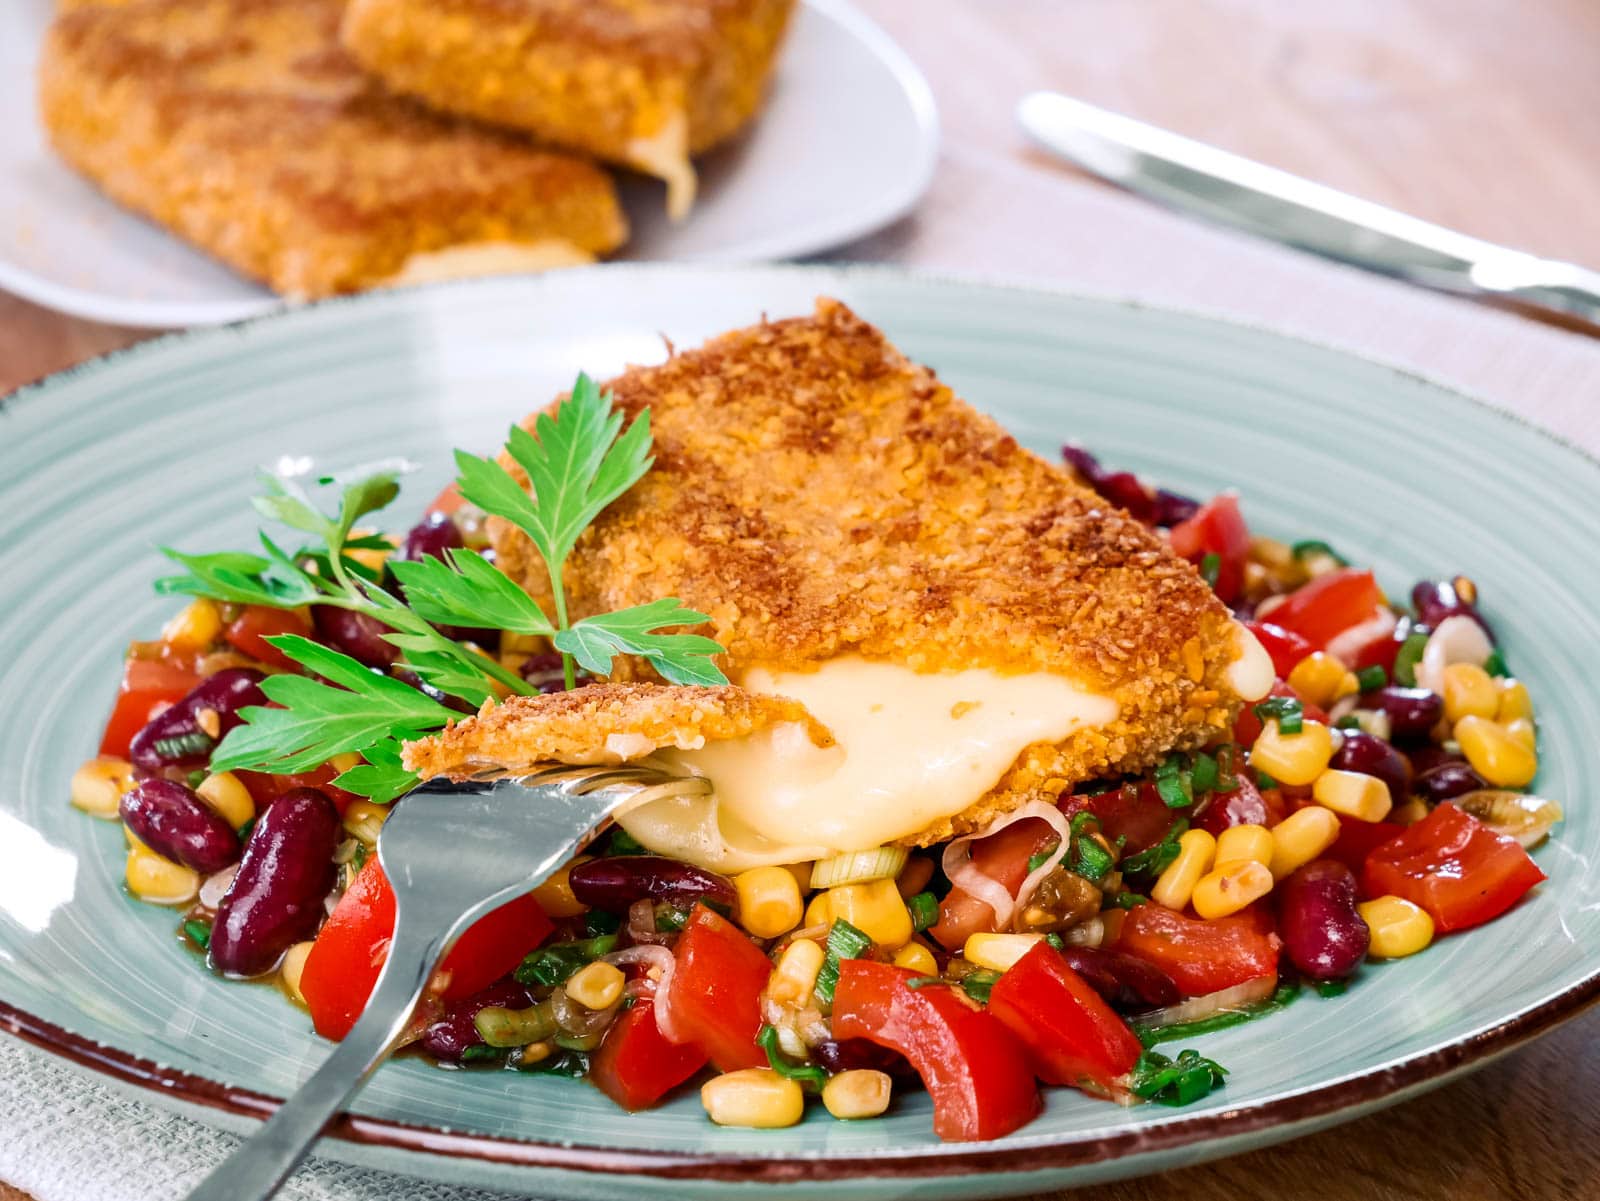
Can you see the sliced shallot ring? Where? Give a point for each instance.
(1225, 1000)
(963, 874)
(662, 960)
(1457, 639)
(1344, 645)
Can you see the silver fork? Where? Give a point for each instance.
(452, 852)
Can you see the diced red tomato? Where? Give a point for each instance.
(1218, 528)
(148, 686)
(1328, 605)
(448, 500)
(248, 633)
(636, 1066)
(973, 1067)
(1284, 647)
(352, 945)
(1201, 957)
(1003, 856)
(1357, 839)
(1247, 726)
(1453, 866)
(1382, 650)
(1134, 813)
(1071, 1035)
(716, 990)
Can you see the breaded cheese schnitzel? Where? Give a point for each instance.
(241, 126)
(643, 83)
(975, 629)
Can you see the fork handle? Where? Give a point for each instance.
(260, 1165)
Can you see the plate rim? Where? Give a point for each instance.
(811, 239)
(1374, 1089)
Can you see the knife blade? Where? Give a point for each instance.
(1225, 188)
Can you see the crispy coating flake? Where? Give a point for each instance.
(600, 723)
(242, 126)
(817, 494)
(645, 83)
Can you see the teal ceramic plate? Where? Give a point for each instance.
(160, 445)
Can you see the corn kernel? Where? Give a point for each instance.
(918, 958)
(1512, 701)
(769, 901)
(1244, 842)
(1522, 729)
(857, 1093)
(1301, 837)
(1353, 794)
(802, 876)
(596, 985)
(348, 761)
(1320, 679)
(796, 974)
(100, 784)
(1469, 691)
(1229, 887)
(1410, 813)
(364, 820)
(820, 911)
(555, 894)
(292, 968)
(371, 557)
(1292, 758)
(755, 1097)
(1494, 754)
(1398, 927)
(225, 793)
(876, 908)
(194, 627)
(160, 881)
(1196, 852)
(999, 951)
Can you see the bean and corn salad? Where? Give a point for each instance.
(1373, 802)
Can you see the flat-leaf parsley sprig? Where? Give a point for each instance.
(579, 463)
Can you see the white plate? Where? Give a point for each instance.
(846, 144)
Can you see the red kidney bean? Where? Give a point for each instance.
(1413, 712)
(545, 672)
(175, 738)
(433, 535)
(449, 1038)
(174, 822)
(1434, 600)
(1123, 488)
(276, 896)
(1124, 981)
(615, 883)
(851, 1054)
(1426, 758)
(1173, 508)
(1324, 934)
(1372, 756)
(356, 634)
(1447, 781)
(1081, 461)
(1241, 807)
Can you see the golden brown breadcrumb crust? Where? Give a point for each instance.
(817, 494)
(592, 75)
(579, 726)
(242, 126)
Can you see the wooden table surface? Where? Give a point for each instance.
(1468, 112)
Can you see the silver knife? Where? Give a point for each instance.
(1196, 178)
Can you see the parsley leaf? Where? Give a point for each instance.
(679, 658)
(381, 778)
(469, 590)
(1178, 1081)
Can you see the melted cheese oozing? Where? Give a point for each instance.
(912, 748)
(471, 259)
(665, 154)
(1251, 673)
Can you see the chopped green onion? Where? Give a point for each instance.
(804, 1073)
(483, 1053)
(1348, 722)
(622, 843)
(1203, 774)
(1332, 988)
(600, 921)
(1288, 710)
(197, 777)
(924, 981)
(1094, 788)
(1154, 860)
(1039, 858)
(199, 932)
(1175, 791)
(1369, 678)
(1056, 941)
(924, 910)
(1407, 658)
(1090, 860)
(1179, 1081)
(181, 746)
(844, 942)
(1127, 900)
(1315, 546)
(1151, 1035)
(1264, 781)
(670, 919)
(979, 984)
(1495, 664)
(552, 965)
(1211, 568)
(249, 825)
(858, 867)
